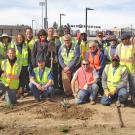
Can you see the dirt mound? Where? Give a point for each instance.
(56, 111)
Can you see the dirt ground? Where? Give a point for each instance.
(51, 118)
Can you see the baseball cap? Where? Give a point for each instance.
(116, 58)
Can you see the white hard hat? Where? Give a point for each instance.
(82, 31)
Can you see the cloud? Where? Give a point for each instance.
(106, 13)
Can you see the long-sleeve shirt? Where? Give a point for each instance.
(123, 80)
(40, 49)
(102, 61)
(72, 65)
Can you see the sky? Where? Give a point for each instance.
(106, 13)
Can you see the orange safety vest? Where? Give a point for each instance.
(94, 62)
(84, 77)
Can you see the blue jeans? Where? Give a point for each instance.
(40, 94)
(122, 96)
(10, 95)
(86, 95)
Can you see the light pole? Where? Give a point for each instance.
(32, 23)
(42, 4)
(45, 18)
(60, 18)
(86, 19)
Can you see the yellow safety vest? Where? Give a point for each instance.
(83, 50)
(44, 78)
(127, 57)
(114, 79)
(71, 55)
(31, 43)
(10, 76)
(24, 56)
(3, 49)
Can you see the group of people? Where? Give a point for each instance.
(76, 66)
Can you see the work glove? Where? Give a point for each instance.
(113, 91)
(107, 92)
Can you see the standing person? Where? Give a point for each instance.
(53, 55)
(96, 59)
(68, 31)
(50, 33)
(109, 51)
(100, 41)
(68, 58)
(23, 54)
(40, 48)
(83, 44)
(29, 41)
(114, 82)
(10, 68)
(41, 81)
(125, 50)
(87, 78)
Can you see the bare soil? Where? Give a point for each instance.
(51, 118)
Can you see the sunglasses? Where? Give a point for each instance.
(85, 64)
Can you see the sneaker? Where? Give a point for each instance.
(92, 102)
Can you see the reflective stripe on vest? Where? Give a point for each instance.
(94, 62)
(127, 57)
(24, 56)
(113, 79)
(71, 55)
(10, 77)
(44, 78)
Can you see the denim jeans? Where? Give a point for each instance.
(86, 95)
(122, 96)
(41, 94)
(131, 78)
(10, 95)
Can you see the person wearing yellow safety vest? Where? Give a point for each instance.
(5, 44)
(67, 31)
(109, 51)
(30, 40)
(68, 56)
(23, 54)
(10, 69)
(114, 83)
(126, 52)
(41, 81)
(83, 45)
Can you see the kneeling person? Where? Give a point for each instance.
(41, 81)
(87, 78)
(114, 82)
(10, 69)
